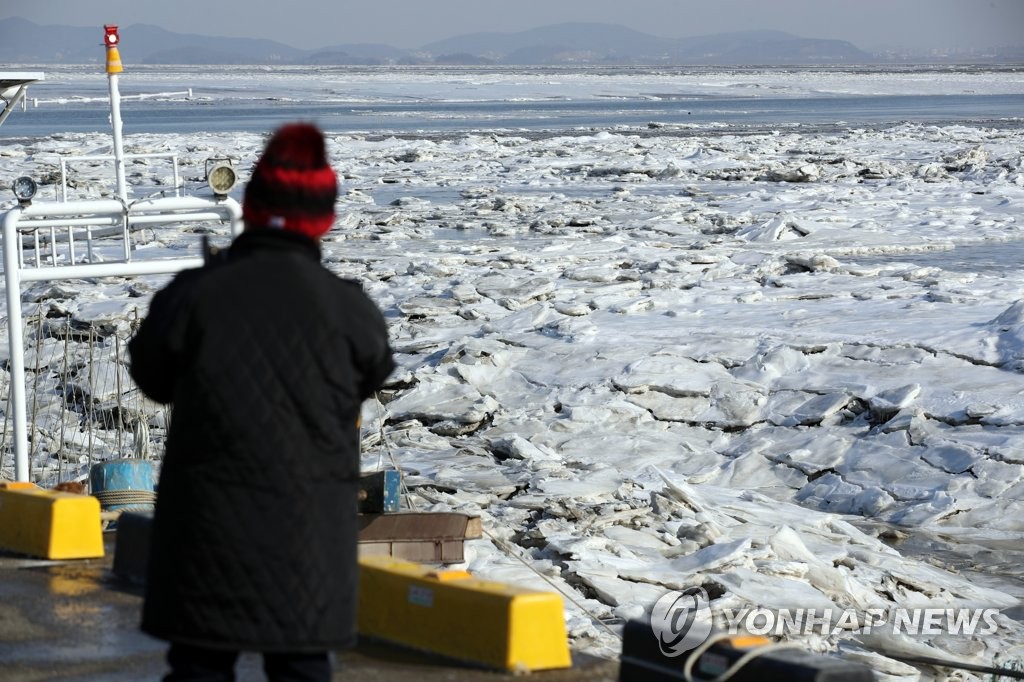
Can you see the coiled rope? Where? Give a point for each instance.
(126, 499)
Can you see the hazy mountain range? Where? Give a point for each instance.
(24, 42)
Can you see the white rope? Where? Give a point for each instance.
(508, 550)
(3, 436)
(141, 439)
(385, 448)
(746, 658)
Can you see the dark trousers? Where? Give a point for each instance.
(196, 664)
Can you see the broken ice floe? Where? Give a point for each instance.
(758, 317)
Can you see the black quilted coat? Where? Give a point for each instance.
(266, 357)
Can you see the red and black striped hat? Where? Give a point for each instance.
(292, 187)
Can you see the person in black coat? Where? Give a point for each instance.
(266, 357)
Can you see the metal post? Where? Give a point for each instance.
(12, 273)
(115, 122)
(111, 39)
(63, 180)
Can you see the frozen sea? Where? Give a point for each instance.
(756, 330)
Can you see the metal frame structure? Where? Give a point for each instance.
(13, 86)
(69, 215)
(79, 219)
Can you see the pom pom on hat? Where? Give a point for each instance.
(292, 186)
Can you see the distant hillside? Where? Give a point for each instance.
(25, 43)
(604, 44)
(767, 47)
(600, 39)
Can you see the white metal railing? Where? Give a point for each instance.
(25, 222)
(85, 100)
(65, 160)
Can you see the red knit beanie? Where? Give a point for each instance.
(292, 186)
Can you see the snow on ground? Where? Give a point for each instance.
(510, 84)
(746, 362)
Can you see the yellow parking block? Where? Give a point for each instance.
(453, 614)
(49, 524)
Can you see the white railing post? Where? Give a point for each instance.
(113, 69)
(16, 344)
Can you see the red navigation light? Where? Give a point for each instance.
(111, 38)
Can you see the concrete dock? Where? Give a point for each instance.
(76, 621)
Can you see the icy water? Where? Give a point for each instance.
(447, 100)
(625, 334)
(998, 259)
(733, 112)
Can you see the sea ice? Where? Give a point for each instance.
(654, 360)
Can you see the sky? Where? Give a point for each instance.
(868, 24)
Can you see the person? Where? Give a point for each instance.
(266, 357)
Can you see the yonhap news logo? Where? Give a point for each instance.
(923, 621)
(681, 621)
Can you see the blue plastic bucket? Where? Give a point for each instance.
(123, 484)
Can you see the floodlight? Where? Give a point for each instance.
(220, 176)
(24, 188)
